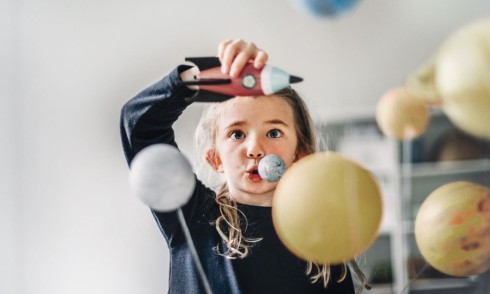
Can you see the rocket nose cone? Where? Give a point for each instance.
(294, 79)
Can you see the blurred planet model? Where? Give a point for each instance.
(327, 208)
(458, 79)
(402, 115)
(452, 229)
(271, 168)
(324, 8)
(162, 177)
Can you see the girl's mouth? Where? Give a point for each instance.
(253, 174)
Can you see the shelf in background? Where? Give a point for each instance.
(381, 289)
(442, 283)
(443, 168)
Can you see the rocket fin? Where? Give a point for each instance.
(206, 82)
(204, 63)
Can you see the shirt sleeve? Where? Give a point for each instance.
(147, 118)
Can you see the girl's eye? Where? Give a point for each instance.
(237, 135)
(274, 133)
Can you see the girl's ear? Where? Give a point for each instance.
(213, 159)
(299, 154)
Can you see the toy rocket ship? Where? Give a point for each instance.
(214, 86)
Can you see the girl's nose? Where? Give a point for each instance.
(254, 148)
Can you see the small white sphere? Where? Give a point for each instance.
(162, 177)
(271, 168)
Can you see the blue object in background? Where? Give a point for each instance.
(324, 8)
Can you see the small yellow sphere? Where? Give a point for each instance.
(402, 115)
(452, 229)
(327, 208)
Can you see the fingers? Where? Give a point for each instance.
(221, 48)
(260, 59)
(235, 54)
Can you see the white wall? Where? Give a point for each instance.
(70, 222)
(9, 173)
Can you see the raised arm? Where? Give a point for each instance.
(148, 118)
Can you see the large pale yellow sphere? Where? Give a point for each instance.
(463, 78)
(452, 229)
(327, 208)
(402, 115)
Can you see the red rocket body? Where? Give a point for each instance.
(214, 86)
(247, 84)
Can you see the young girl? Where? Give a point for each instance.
(232, 228)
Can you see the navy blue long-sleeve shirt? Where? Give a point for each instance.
(270, 268)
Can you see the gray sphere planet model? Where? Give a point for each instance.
(271, 168)
(162, 177)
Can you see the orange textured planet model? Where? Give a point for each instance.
(327, 208)
(452, 229)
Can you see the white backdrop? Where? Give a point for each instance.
(68, 221)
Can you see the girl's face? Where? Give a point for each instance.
(248, 129)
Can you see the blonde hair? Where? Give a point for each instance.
(228, 224)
